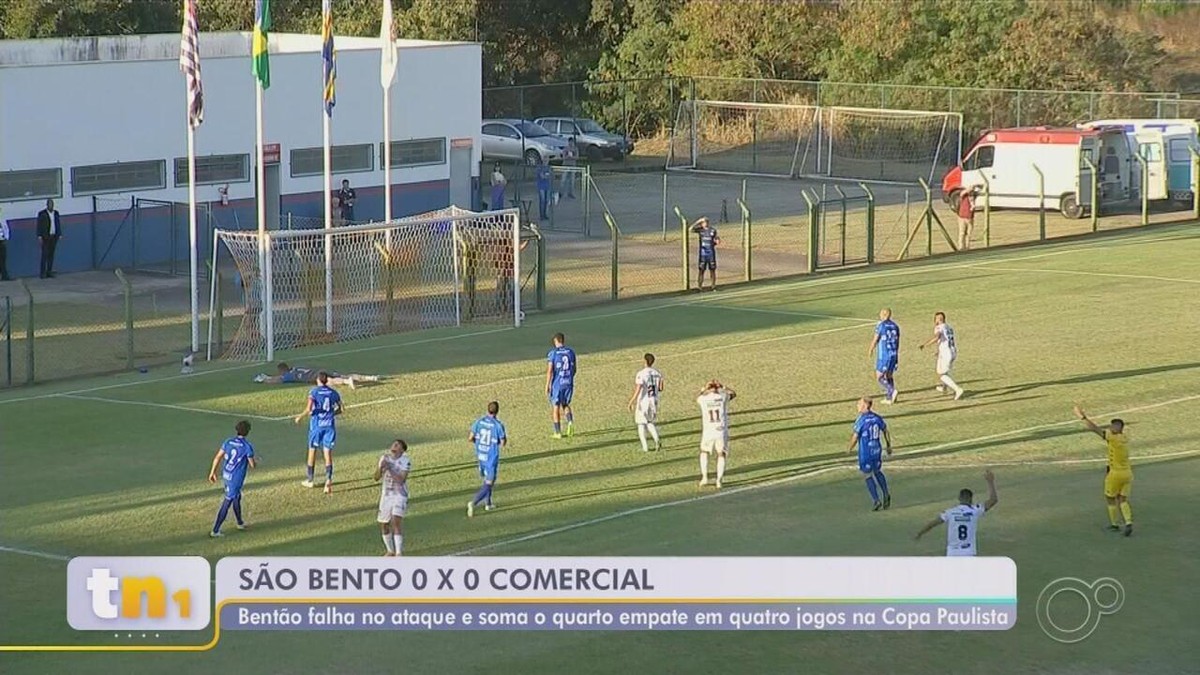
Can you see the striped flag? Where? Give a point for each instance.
(189, 63)
(261, 64)
(387, 47)
(328, 58)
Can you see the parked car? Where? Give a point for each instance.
(593, 140)
(520, 140)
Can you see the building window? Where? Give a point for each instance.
(419, 152)
(343, 159)
(16, 186)
(214, 169)
(98, 179)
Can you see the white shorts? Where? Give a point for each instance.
(944, 364)
(646, 411)
(717, 444)
(391, 505)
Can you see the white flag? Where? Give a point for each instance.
(387, 47)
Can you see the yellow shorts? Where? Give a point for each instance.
(1117, 483)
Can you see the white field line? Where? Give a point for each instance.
(602, 364)
(808, 474)
(786, 312)
(1112, 242)
(169, 406)
(1139, 277)
(789, 479)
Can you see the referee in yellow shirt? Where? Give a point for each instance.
(1118, 478)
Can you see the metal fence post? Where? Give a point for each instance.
(1094, 181)
(219, 311)
(29, 333)
(841, 225)
(664, 207)
(93, 228)
(987, 211)
(541, 270)
(685, 238)
(1195, 183)
(1041, 202)
(588, 186)
(746, 239)
(870, 221)
(7, 341)
(613, 233)
(1144, 189)
(127, 291)
(814, 231)
(927, 216)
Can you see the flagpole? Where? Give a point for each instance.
(193, 248)
(387, 157)
(268, 329)
(328, 227)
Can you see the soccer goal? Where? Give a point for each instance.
(744, 138)
(794, 140)
(315, 286)
(892, 146)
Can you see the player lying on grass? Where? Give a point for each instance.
(285, 374)
(870, 435)
(237, 455)
(714, 419)
(1118, 476)
(962, 520)
(393, 469)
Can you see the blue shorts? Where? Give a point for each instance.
(489, 469)
(233, 488)
(869, 463)
(560, 394)
(708, 262)
(322, 438)
(886, 364)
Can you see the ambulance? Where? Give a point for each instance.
(1166, 145)
(1007, 158)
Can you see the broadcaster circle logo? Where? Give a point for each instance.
(1101, 597)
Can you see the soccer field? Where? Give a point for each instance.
(117, 466)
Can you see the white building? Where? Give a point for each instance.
(95, 123)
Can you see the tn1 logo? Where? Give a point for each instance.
(130, 591)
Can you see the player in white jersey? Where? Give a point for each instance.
(714, 417)
(647, 386)
(947, 352)
(962, 520)
(393, 469)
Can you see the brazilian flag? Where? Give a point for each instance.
(262, 25)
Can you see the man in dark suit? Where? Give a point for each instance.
(49, 229)
(346, 197)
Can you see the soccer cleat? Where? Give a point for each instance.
(958, 394)
(570, 429)
(887, 501)
(1128, 529)
(657, 446)
(260, 378)
(350, 382)
(329, 488)
(1113, 528)
(389, 554)
(242, 526)
(470, 509)
(717, 485)
(306, 483)
(878, 505)
(556, 436)
(214, 535)
(703, 482)
(895, 396)
(941, 388)
(490, 507)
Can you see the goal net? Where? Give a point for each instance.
(316, 286)
(888, 145)
(738, 137)
(796, 140)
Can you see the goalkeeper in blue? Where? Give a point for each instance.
(233, 458)
(886, 348)
(489, 436)
(560, 385)
(871, 437)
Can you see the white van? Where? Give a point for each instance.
(1007, 159)
(1166, 145)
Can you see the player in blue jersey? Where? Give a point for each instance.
(871, 437)
(489, 436)
(708, 251)
(237, 455)
(285, 374)
(885, 345)
(324, 404)
(560, 384)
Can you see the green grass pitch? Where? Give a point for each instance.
(117, 465)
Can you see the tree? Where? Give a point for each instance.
(627, 89)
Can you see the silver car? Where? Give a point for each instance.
(520, 140)
(593, 140)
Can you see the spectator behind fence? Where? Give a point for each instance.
(336, 212)
(966, 217)
(49, 230)
(499, 182)
(4, 235)
(543, 186)
(570, 157)
(346, 197)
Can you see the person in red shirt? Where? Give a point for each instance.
(966, 218)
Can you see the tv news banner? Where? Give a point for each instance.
(584, 593)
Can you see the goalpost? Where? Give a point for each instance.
(443, 268)
(796, 140)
